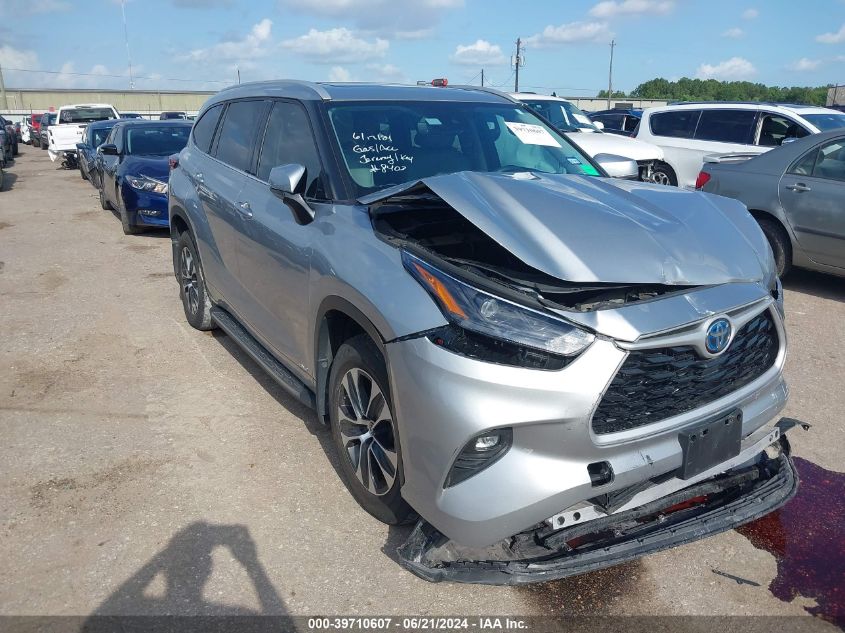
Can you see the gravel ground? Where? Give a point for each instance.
(146, 467)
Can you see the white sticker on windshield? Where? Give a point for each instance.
(581, 118)
(531, 134)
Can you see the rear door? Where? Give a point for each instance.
(274, 251)
(218, 179)
(812, 193)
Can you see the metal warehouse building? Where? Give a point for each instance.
(23, 101)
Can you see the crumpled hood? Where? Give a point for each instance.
(599, 143)
(588, 229)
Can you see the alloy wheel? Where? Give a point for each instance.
(661, 178)
(367, 431)
(190, 287)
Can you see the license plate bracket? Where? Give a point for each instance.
(710, 443)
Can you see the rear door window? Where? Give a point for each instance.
(289, 140)
(237, 136)
(675, 123)
(726, 126)
(827, 161)
(204, 128)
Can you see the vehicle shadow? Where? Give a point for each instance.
(821, 285)
(306, 415)
(172, 582)
(9, 180)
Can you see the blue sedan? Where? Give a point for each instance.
(133, 170)
(93, 136)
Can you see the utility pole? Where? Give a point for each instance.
(482, 79)
(6, 101)
(610, 74)
(239, 76)
(126, 38)
(517, 62)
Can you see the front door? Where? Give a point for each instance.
(274, 251)
(812, 194)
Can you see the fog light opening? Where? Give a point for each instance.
(601, 473)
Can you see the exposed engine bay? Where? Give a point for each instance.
(420, 220)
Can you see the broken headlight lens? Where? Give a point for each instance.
(144, 183)
(495, 317)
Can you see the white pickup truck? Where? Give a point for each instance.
(71, 121)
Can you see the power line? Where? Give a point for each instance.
(106, 75)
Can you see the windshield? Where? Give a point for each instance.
(156, 141)
(50, 120)
(86, 115)
(826, 122)
(565, 116)
(389, 143)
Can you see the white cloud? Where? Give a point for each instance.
(734, 33)
(11, 57)
(482, 53)
(385, 72)
(339, 73)
(613, 8)
(750, 14)
(384, 18)
(257, 43)
(571, 32)
(733, 68)
(336, 45)
(805, 64)
(832, 38)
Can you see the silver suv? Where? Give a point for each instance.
(551, 370)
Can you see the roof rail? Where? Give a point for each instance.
(317, 88)
(492, 91)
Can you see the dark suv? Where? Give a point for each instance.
(554, 369)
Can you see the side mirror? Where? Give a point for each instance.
(287, 183)
(80, 146)
(618, 166)
(598, 124)
(109, 149)
(788, 139)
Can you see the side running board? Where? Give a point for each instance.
(260, 355)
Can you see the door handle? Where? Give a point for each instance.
(244, 209)
(198, 176)
(798, 187)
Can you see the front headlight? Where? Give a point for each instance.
(485, 314)
(145, 183)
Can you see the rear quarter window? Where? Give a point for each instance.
(204, 128)
(674, 123)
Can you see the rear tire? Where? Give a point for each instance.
(662, 174)
(192, 290)
(43, 144)
(364, 431)
(779, 241)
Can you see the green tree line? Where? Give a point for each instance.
(686, 89)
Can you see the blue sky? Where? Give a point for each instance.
(204, 42)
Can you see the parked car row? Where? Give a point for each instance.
(126, 160)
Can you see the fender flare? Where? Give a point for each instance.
(323, 353)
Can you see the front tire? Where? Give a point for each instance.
(128, 227)
(662, 174)
(192, 290)
(364, 430)
(779, 241)
(105, 204)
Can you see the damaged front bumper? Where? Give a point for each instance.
(746, 492)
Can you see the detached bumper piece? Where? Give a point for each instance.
(540, 554)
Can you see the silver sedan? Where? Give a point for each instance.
(797, 195)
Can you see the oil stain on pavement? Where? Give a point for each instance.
(807, 537)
